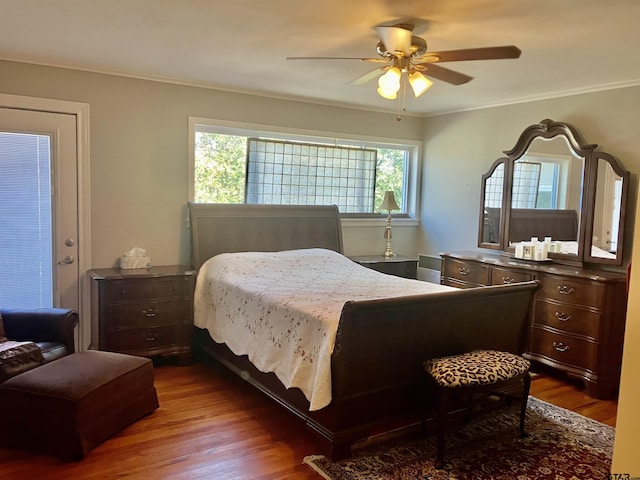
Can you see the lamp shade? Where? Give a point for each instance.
(389, 83)
(389, 202)
(419, 83)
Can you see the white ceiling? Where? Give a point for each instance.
(568, 46)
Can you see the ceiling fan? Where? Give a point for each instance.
(404, 53)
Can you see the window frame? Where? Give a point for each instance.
(412, 181)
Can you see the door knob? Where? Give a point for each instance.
(68, 259)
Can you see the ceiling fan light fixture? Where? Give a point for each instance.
(389, 83)
(405, 57)
(419, 83)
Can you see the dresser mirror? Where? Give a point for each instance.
(491, 218)
(608, 214)
(553, 184)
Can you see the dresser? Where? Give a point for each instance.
(144, 312)
(397, 265)
(578, 315)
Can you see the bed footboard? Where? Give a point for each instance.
(381, 343)
(377, 374)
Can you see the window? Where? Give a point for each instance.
(493, 188)
(26, 257)
(292, 173)
(236, 164)
(548, 187)
(552, 180)
(526, 179)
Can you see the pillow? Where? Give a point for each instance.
(18, 357)
(3, 336)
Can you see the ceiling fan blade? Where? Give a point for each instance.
(362, 59)
(444, 74)
(396, 39)
(486, 53)
(367, 77)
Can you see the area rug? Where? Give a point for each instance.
(561, 445)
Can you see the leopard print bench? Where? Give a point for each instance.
(470, 372)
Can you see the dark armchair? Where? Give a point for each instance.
(52, 329)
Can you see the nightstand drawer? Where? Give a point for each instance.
(148, 339)
(399, 269)
(146, 313)
(398, 265)
(138, 288)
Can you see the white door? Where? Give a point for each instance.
(41, 247)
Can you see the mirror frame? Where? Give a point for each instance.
(499, 245)
(548, 129)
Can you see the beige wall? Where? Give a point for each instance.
(138, 144)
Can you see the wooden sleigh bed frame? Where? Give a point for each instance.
(376, 372)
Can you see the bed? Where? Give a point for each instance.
(369, 376)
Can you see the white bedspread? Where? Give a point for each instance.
(282, 309)
(571, 248)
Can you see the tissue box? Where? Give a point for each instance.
(135, 262)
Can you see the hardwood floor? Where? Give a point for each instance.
(213, 425)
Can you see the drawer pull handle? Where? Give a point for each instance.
(464, 271)
(560, 347)
(149, 312)
(150, 336)
(508, 280)
(564, 290)
(563, 317)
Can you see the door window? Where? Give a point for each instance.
(26, 256)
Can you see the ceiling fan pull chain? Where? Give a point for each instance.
(403, 86)
(404, 92)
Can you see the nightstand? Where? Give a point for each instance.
(397, 265)
(143, 311)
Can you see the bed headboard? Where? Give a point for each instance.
(222, 228)
(534, 222)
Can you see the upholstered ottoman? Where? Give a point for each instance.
(67, 407)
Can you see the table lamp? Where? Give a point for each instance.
(388, 204)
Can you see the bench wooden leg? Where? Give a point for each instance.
(525, 398)
(441, 425)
